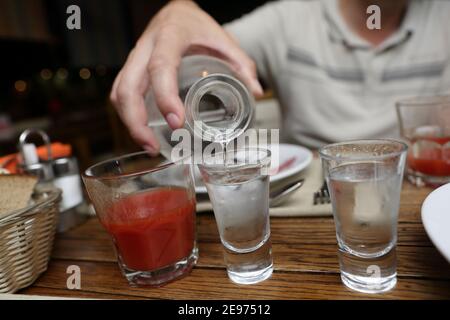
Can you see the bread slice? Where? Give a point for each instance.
(15, 192)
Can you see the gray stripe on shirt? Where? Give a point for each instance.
(419, 71)
(301, 56)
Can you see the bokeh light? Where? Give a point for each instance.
(46, 74)
(20, 86)
(85, 73)
(62, 73)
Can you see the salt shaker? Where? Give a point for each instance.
(62, 172)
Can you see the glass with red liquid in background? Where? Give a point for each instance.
(425, 124)
(148, 208)
(430, 156)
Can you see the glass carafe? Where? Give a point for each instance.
(218, 107)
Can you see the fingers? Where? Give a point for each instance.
(128, 96)
(243, 65)
(138, 129)
(113, 94)
(250, 77)
(246, 70)
(154, 62)
(163, 71)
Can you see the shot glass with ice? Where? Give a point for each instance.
(365, 179)
(238, 186)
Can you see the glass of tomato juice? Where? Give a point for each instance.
(148, 208)
(425, 125)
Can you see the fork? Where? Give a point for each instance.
(322, 196)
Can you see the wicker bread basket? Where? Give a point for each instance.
(26, 240)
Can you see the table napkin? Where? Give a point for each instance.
(301, 201)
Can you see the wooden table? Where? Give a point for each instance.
(305, 260)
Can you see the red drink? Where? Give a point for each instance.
(430, 156)
(153, 229)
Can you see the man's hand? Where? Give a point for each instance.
(180, 28)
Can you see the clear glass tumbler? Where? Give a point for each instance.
(425, 124)
(238, 186)
(148, 209)
(365, 179)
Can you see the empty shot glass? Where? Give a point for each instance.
(365, 179)
(238, 187)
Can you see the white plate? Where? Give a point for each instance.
(436, 219)
(292, 160)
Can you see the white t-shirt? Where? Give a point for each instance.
(331, 84)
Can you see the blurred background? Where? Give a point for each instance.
(59, 80)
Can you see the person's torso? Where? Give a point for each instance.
(333, 89)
